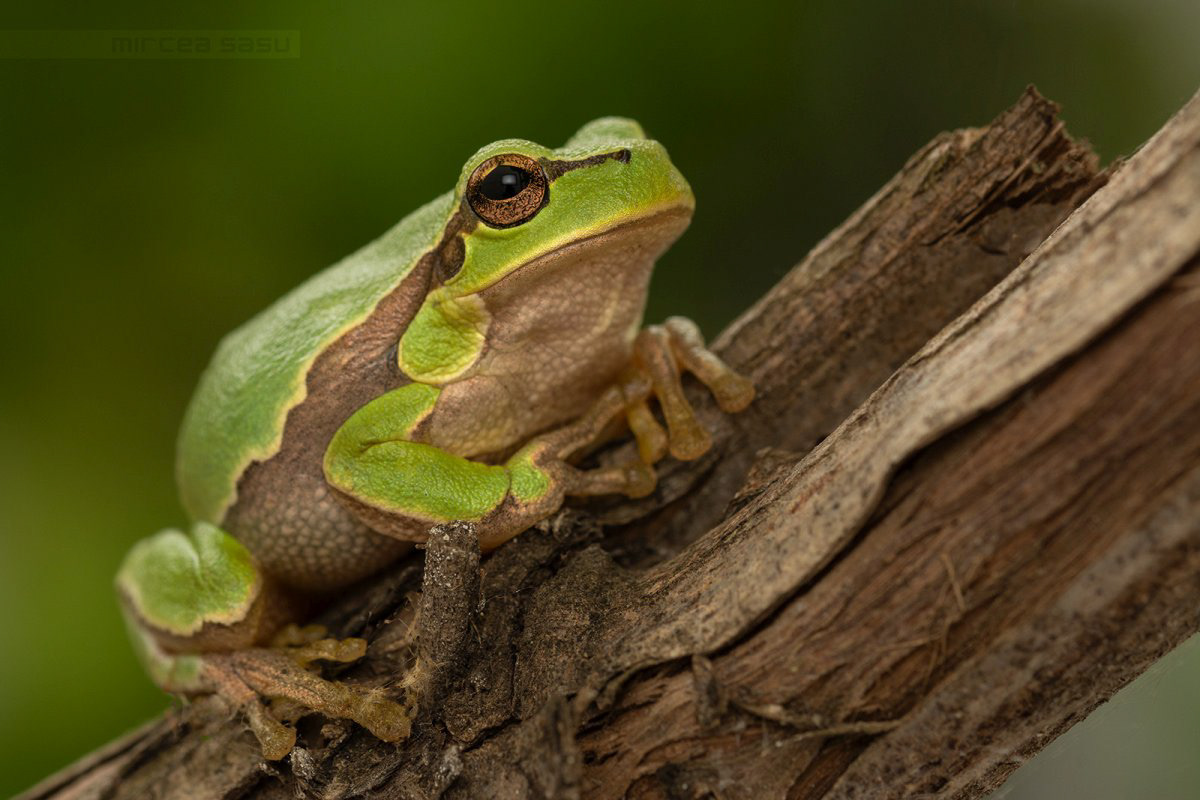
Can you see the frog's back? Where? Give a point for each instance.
(258, 374)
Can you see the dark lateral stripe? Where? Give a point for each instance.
(448, 254)
(555, 169)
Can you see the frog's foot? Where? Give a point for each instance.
(246, 677)
(541, 475)
(661, 354)
(549, 453)
(210, 642)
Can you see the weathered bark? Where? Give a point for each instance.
(1003, 531)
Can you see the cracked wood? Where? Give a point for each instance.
(1015, 504)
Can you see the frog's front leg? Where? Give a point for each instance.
(402, 487)
(203, 619)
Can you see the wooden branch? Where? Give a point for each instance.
(997, 537)
(1020, 569)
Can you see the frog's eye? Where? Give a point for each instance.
(507, 190)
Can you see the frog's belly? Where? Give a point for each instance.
(300, 533)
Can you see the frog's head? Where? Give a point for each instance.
(520, 204)
(543, 267)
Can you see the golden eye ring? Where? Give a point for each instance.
(508, 190)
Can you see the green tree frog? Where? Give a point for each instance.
(454, 369)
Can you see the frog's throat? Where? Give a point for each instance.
(449, 335)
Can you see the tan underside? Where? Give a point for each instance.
(562, 329)
(548, 356)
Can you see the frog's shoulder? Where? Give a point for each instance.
(258, 372)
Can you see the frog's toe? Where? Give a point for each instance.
(309, 643)
(732, 391)
(687, 438)
(640, 479)
(275, 738)
(341, 650)
(652, 440)
(385, 718)
(634, 479)
(293, 635)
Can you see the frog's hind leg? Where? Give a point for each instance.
(202, 618)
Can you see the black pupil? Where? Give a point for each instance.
(504, 182)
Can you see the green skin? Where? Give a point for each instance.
(448, 371)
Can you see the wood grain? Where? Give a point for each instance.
(964, 509)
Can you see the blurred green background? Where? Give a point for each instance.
(150, 206)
